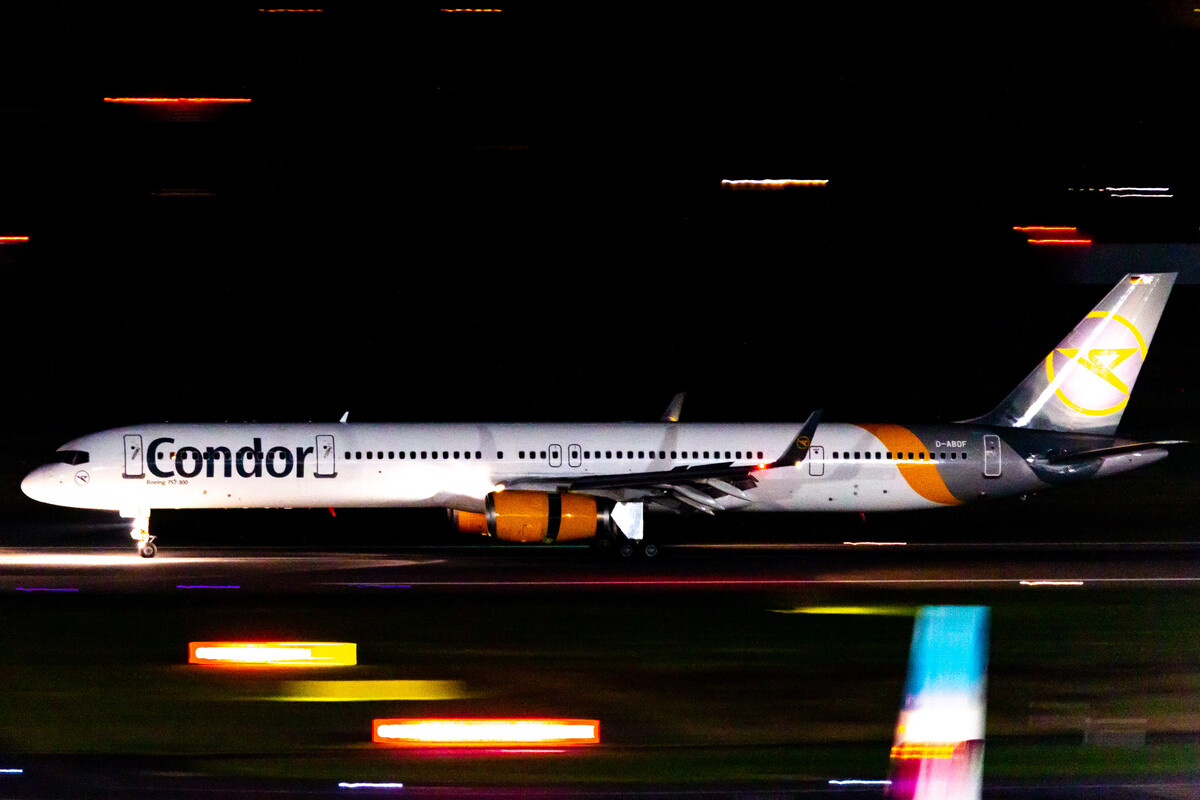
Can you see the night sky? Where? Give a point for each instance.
(424, 215)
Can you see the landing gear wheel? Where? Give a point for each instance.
(626, 549)
(649, 549)
(147, 550)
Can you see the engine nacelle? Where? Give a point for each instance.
(468, 521)
(523, 516)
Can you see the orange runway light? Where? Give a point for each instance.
(472, 10)
(274, 654)
(177, 100)
(485, 732)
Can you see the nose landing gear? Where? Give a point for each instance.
(141, 534)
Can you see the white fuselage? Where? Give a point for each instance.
(849, 468)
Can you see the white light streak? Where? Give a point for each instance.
(254, 654)
(1052, 583)
(346, 785)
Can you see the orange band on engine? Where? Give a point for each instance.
(921, 476)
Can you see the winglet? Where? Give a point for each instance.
(345, 417)
(674, 410)
(798, 449)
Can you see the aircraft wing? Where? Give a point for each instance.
(696, 487)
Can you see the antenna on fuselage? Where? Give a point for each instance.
(345, 417)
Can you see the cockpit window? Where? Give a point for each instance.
(71, 457)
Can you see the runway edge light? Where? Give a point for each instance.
(485, 732)
(938, 747)
(275, 654)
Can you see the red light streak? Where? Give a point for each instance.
(485, 732)
(177, 100)
(1060, 241)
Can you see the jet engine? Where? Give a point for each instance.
(524, 516)
(468, 521)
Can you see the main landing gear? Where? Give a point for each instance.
(625, 548)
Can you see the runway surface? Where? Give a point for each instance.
(849, 566)
(716, 671)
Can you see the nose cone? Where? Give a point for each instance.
(34, 486)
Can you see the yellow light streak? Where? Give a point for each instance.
(923, 750)
(360, 691)
(11, 239)
(275, 654)
(485, 732)
(877, 611)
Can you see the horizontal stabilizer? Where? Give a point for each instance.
(1115, 450)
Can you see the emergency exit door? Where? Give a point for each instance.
(991, 456)
(326, 457)
(134, 461)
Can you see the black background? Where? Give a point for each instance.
(425, 215)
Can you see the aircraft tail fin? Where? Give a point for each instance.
(1083, 385)
(938, 749)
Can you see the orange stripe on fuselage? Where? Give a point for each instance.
(921, 476)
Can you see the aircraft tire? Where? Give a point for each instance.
(649, 549)
(148, 550)
(626, 549)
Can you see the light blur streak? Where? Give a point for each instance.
(256, 656)
(345, 785)
(853, 782)
(177, 100)
(291, 10)
(63, 560)
(1137, 189)
(472, 10)
(1135, 194)
(13, 239)
(1059, 228)
(290, 654)
(869, 611)
(39, 589)
(771, 183)
(923, 750)
(476, 732)
(10, 771)
(1060, 241)
(877, 544)
(1052, 583)
(182, 586)
(359, 691)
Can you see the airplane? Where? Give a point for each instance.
(535, 482)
